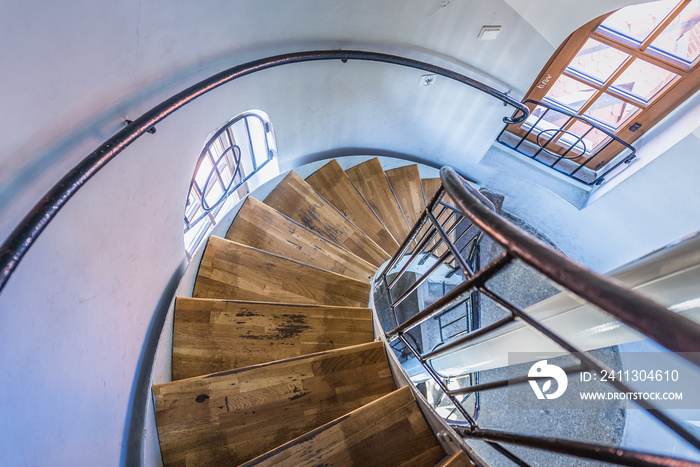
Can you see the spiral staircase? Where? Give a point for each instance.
(273, 357)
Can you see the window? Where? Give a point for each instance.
(230, 157)
(624, 71)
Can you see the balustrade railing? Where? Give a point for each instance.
(447, 238)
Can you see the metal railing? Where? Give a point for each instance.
(555, 144)
(667, 328)
(26, 233)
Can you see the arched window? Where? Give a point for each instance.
(231, 156)
(624, 72)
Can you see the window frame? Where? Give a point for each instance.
(230, 166)
(654, 110)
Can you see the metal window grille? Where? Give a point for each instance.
(229, 158)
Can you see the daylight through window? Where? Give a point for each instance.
(230, 157)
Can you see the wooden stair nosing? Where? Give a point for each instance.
(310, 209)
(371, 181)
(262, 227)
(334, 185)
(233, 416)
(295, 282)
(345, 440)
(217, 335)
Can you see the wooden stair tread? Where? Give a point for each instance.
(217, 335)
(233, 416)
(407, 186)
(331, 182)
(458, 459)
(260, 226)
(297, 200)
(371, 182)
(390, 431)
(230, 270)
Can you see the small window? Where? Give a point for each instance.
(624, 71)
(230, 157)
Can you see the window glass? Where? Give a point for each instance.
(681, 38)
(638, 21)
(545, 119)
(611, 111)
(570, 92)
(590, 136)
(230, 157)
(643, 79)
(598, 60)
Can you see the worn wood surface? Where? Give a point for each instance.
(390, 431)
(217, 335)
(297, 200)
(233, 271)
(331, 182)
(230, 417)
(430, 187)
(407, 186)
(458, 459)
(260, 226)
(371, 182)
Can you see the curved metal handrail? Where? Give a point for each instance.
(675, 332)
(29, 229)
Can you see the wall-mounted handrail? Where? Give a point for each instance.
(675, 332)
(28, 230)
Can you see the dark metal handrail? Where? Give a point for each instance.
(673, 331)
(29, 229)
(552, 135)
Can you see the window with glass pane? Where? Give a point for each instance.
(231, 155)
(624, 71)
(638, 21)
(597, 60)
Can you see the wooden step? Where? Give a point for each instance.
(458, 459)
(371, 182)
(390, 431)
(297, 200)
(230, 417)
(233, 271)
(217, 335)
(260, 226)
(331, 182)
(430, 187)
(406, 185)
